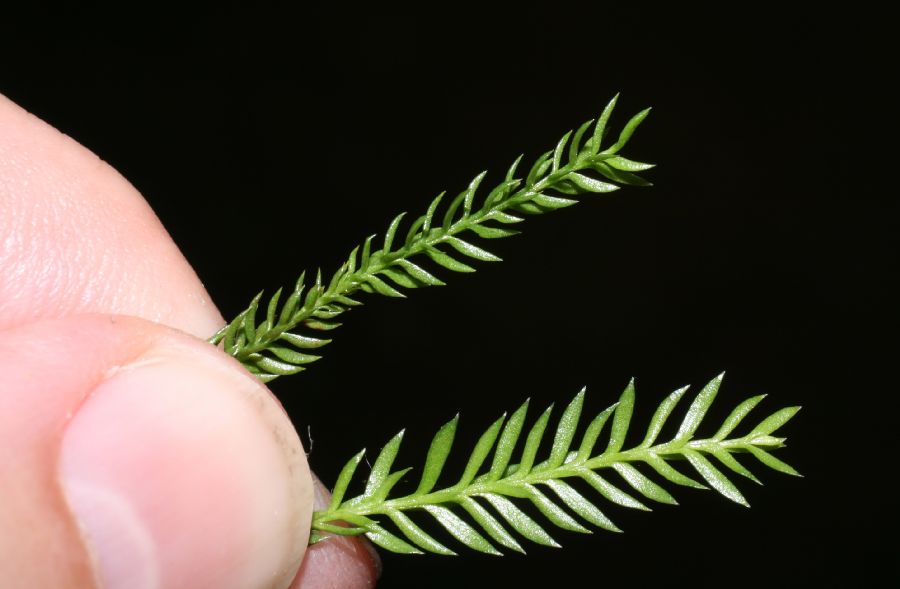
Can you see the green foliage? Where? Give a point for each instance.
(473, 508)
(283, 340)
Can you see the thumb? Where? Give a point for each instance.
(135, 456)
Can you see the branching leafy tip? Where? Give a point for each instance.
(478, 508)
(281, 340)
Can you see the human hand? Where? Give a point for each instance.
(132, 453)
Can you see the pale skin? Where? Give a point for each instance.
(133, 453)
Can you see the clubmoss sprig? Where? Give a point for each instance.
(482, 489)
(283, 341)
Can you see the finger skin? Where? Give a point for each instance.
(195, 473)
(75, 237)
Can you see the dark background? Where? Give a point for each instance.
(271, 140)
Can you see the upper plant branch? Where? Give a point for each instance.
(272, 347)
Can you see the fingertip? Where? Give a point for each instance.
(182, 471)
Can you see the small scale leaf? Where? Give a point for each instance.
(273, 366)
(461, 530)
(384, 489)
(507, 443)
(493, 232)
(249, 323)
(228, 339)
(774, 421)
(321, 325)
(553, 512)
(392, 230)
(723, 456)
(669, 473)
(567, 187)
(327, 312)
(470, 193)
(346, 301)
(399, 277)
(343, 480)
(553, 202)
(580, 505)
(366, 252)
(628, 130)
(437, 456)
(470, 250)
(600, 127)
(626, 165)
(480, 453)
(272, 308)
(313, 294)
(341, 530)
(446, 261)
(290, 305)
(560, 149)
(291, 356)
(500, 192)
(642, 484)
(618, 176)
(714, 477)
(611, 492)
(532, 443)
(303, 342)
(698, 409)
(662, 414)
(358, 520)
(575, 146)
(264, 377)
(351, 263)
(502, 217)
(537, 170)
(528, 207)
(511, 172)
(413, 230)
(432, 208)
(520, 522)
(490, 525)
(592, 433)
(419, 274)
(736, 416)
(590, 184)
(383, 288)
(621, 419)
(416, 534)
(381, 537)
(383, 463)
(568, 423)
(772, 462)
(451, 210)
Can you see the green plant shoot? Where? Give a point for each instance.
(479, 508)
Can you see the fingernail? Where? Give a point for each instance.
(181, 472)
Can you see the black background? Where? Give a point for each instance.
(271, 140)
